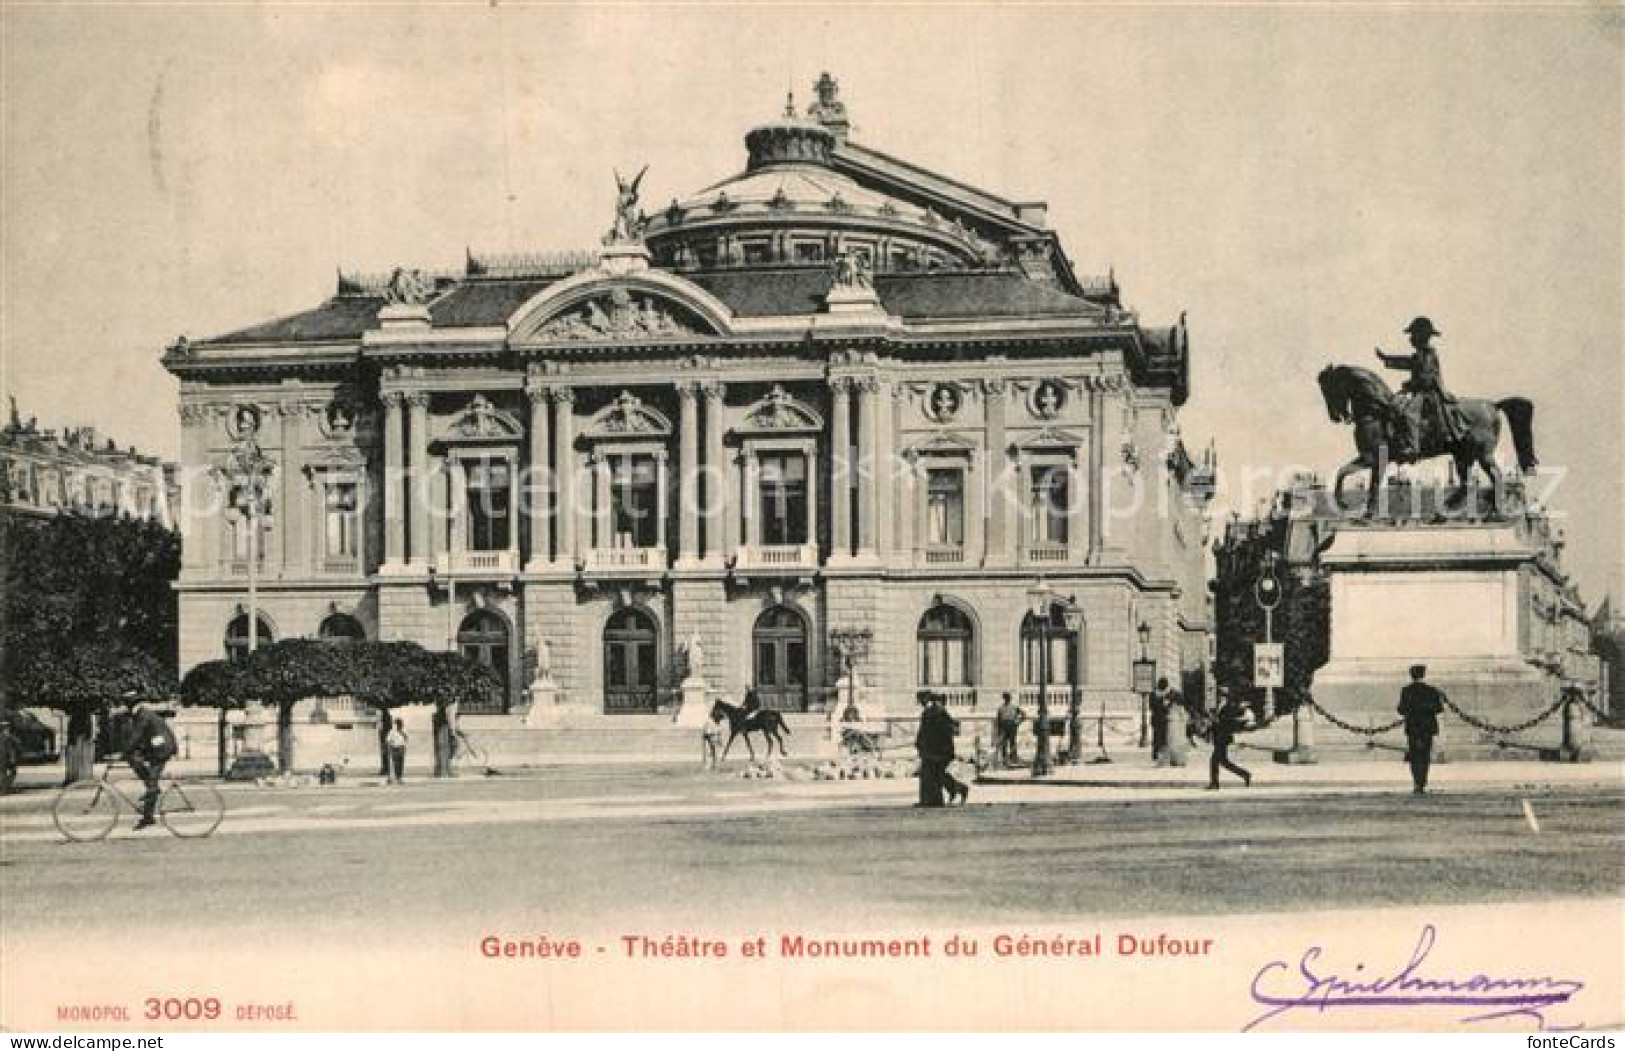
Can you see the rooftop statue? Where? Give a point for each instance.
(1422, 422)
(629, 219)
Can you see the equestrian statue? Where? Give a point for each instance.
(1422, 421)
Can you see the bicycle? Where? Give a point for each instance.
(88, 810)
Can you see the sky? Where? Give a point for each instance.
(1300, 180)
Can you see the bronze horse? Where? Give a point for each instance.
(764, 721)
(1359, 396)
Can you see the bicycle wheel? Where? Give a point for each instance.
(85, 810)
(191, 809)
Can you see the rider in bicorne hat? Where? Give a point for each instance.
(1427, 384)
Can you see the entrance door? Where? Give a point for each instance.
(780, 649)
(631, 667)
(483, 637)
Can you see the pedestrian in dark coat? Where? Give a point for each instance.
(935, 744)
(1421, 706)
(1162, 701)
(1228, 721)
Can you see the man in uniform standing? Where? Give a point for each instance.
(1421, 705)
(1426, 383)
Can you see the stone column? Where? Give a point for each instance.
(416, 490)
(731, 484)
(564, 472)
(840, 450)
(881, 465)
(868, 413)
(394, 478)
(716, 474)
(603, 522)
(688, 477)
(539, 490)
(662, 512)
(1001, 489)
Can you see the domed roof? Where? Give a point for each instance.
(790, 181)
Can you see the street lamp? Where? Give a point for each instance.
(247, 473)
(1040, 596)
(1145, 677)
(1072, 617)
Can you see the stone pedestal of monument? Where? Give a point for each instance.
(1178, 750)
(694, 707)
(545, 707)
(1445, 595)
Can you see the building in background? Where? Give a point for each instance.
(835, 399)
(47, 472)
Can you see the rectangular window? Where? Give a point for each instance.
(945, 507)
(1049, 496)
(340, 520)
(809, 252)
(757, 252)
(489, 505)
(635, 501)
(783, 498)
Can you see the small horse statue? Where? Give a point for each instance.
(765, 721)
(1359, 396)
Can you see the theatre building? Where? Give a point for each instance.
(833, 409)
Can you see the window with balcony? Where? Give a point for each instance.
(783, 496)
(339, 519)
(1049, 497)
(635, 501)
(945, 507)
(489, 500)
(944, 638)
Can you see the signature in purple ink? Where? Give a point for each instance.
(1485, 996)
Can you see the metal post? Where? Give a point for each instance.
(1269, 691)
(253, 558)
(1041, 762)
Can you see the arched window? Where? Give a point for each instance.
(341, 627)
(945, 644)
(631, 661)
(780, 659)
(1064, 653)
(237, 636)
(483, 637)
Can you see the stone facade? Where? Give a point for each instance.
(836, 398)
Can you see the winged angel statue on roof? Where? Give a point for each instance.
(629, 219)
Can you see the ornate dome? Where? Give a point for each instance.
(790, 206)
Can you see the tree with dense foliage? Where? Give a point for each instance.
(89, 615)
(1301, 620)
(81, 679)
(385, 675)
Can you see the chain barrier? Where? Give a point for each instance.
(1373, 731)
(1369, 731)
(1583, 699)
(1492, 728)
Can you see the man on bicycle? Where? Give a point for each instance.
(148, 748)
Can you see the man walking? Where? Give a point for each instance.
(1421, 706)
(148, 748)
(935, 744)
(1228, 721)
